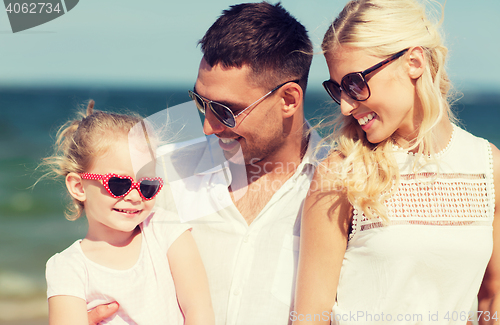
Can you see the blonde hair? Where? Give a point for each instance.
(382, 28)
(80, 141)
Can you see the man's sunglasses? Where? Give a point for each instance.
(223, 113)
(119, 186)
(354, 84)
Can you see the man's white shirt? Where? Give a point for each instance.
(251, 268)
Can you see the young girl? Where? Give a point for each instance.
(143, 260)
(401, 230)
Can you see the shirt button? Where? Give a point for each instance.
(245, 239)
(220, 196)
(237, 292)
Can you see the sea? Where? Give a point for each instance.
(32, 225)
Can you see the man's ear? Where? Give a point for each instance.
(416, 62)
(75, 186)
(293, 97)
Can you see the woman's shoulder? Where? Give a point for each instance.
(463, 137)
(495, 153)
(331, 163)
(467, 152)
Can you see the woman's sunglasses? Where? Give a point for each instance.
(119, 186)
(223, 113)
(354, 84)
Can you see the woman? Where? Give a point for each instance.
(401, 228)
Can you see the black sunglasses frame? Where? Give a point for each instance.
(230, 121)
(344, 86)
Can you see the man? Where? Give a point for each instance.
(250, 86)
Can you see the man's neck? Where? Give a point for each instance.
(263, 180)
(283, 163)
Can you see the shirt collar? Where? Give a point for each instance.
(213, 159)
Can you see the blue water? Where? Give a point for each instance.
(32, 226)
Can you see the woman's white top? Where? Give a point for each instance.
(427, 264)
(145, 292)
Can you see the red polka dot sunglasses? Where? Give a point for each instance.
(119, 186)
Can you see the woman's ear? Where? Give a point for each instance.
(293, 97)
(416, 62)
(75, 186)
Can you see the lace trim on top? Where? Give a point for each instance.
(437, 155)
(437, 200)
(490, 180)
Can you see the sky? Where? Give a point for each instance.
(153, 44)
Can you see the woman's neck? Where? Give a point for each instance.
(441, 137)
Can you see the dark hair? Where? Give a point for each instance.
(263, 36)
